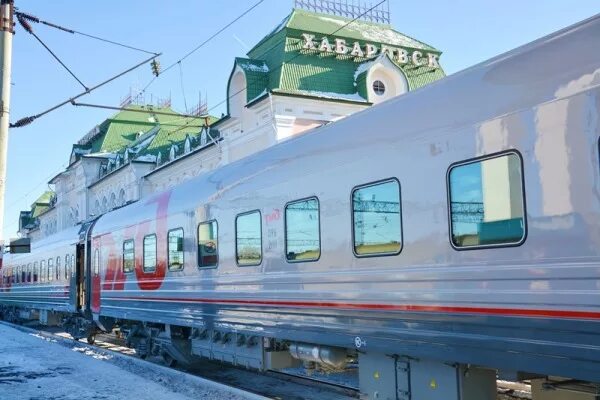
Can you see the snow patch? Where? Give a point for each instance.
(146, 157)
(255, 68)
(332, 95)
(377, 34)
(92, 353)
(260, 95)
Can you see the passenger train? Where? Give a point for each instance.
(459, 223)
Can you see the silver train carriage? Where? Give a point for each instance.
(458, 223)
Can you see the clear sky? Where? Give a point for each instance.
(467, 31)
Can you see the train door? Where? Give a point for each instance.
(80, 275)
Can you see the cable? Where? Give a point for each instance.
(201, 45)
(34, 188)
(183, 116)
(33, 18)
(281, 65)
(182, 86)
(30, 119)
(22, 20)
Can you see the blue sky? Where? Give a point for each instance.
(467, 31)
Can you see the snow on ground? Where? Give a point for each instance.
(36, 367)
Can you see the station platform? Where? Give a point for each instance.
(36, 367)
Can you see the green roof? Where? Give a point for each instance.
(124, 127)
(290, 69)
(42, 204)
(173, 131)
(128, 128)
(306, 21)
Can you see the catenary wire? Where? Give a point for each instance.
(280, 65)
(23, 21)
(33, 18)
(30, 119)
(199, 46)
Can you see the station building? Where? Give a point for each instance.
(310, 70)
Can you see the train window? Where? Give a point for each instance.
(73, 265)
(487, 206)
(175, 249)
(29, 272)
(50, 269)
(150, 253)
(68, 266)
(35, 271)
(302, 236)
(248, 238)
(128, 256)
(58, 268)
(43, 271)
(376, 219)
(96, 262)
(208, 252)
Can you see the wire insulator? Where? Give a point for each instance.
(29, 17)
(23, 21)
(23, 122)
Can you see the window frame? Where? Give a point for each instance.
(524, 195)
(236, 238)
(352, 240)
(285, 230)
(58, 262)
(182, 250)
(96, 262)
(50, 272)
(210, 221)
(123, 257)
(43, 271)
(144, 253)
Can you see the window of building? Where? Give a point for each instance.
(248, 238)
(149, 253)
(97, 262)
(50, 269)
(487, 206)
(43, 271)
(208, 254)
(302, 236)
(376, 218)
(128, 256)
(68, 266)
(378, 88)
(175, 249)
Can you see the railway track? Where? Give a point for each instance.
(271, 384)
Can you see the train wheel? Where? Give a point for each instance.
(91, 339)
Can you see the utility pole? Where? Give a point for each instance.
(7, 8)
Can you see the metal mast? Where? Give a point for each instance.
(6, 36)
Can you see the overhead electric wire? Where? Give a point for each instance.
(30, 119)
(286, 61)
(23, 21)
(198, 47)
(33, 18)
(148, 111)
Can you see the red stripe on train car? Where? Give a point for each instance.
(512, 312)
